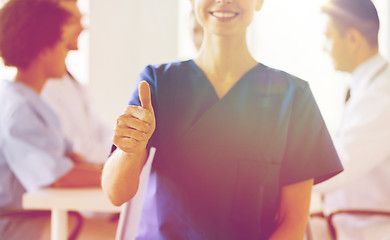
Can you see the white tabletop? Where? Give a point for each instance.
(72, 199)
(61, 200)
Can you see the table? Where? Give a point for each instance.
(61, 200)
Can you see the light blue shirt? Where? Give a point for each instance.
(32, 146)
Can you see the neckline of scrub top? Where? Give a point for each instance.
(204, 77)
(214, 101)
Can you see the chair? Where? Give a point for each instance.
(80, 221)
(329, 218)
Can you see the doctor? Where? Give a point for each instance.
(364, 133)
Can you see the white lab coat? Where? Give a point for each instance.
(82, 126)
(363, 144)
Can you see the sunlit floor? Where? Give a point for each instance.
(98, 229)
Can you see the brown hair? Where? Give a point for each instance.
(27, 27)
(358, 14)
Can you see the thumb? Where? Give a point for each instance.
(144, 95)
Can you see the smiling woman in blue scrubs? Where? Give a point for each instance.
(239, 144)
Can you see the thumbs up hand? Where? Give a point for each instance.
(136, 125)
(144, 96)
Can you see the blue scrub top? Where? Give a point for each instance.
(32, 146)
(220, 163)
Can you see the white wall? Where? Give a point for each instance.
(125, 36)
(383, 8)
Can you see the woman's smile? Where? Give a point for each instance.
(224, 15)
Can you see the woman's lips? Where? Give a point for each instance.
(224, 15)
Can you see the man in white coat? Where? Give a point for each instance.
(362, 140)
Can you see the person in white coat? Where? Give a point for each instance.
(363, 135)
(89, 135)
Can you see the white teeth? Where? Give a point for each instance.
(224, 14)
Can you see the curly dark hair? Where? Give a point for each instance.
(27, 27)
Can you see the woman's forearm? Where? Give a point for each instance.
(288, 230)
(134, 127)
(294, 211)
(120, 177)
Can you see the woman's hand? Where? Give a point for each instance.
(136, 125)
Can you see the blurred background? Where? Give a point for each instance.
(123, 36)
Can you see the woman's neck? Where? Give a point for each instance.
(224, 56)
(224, 61)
